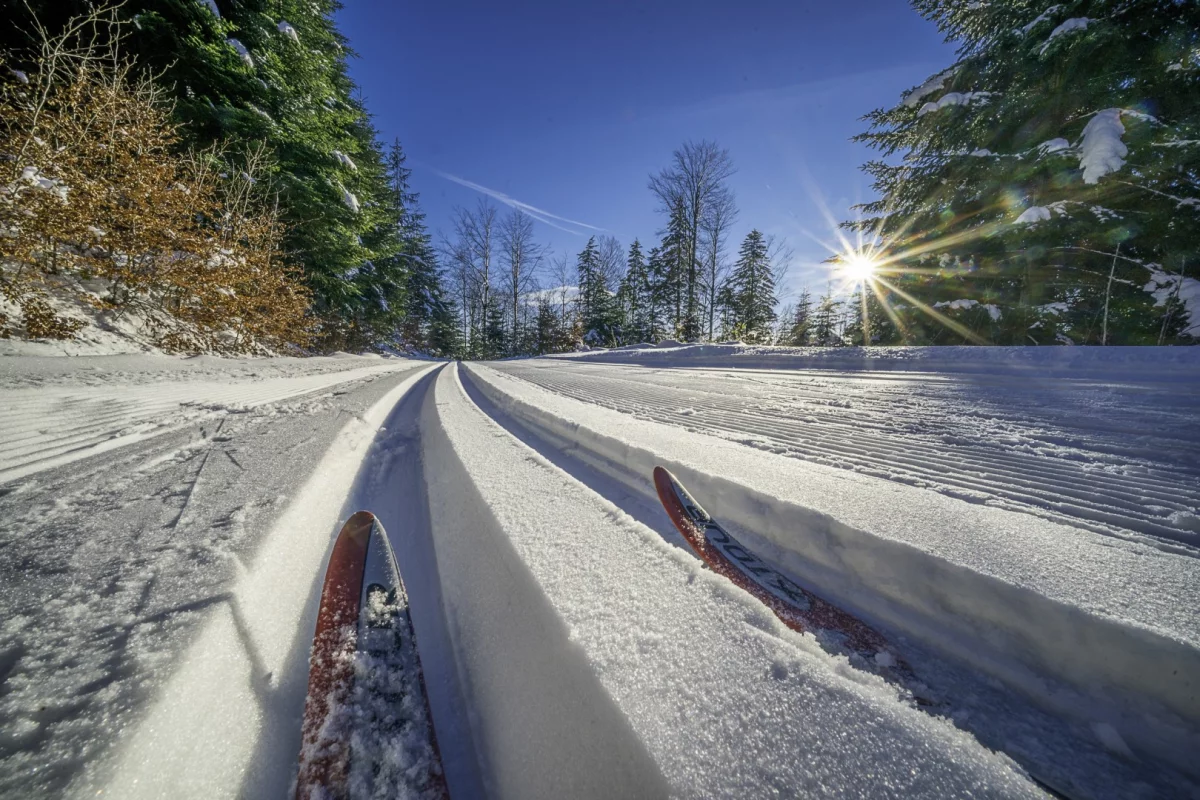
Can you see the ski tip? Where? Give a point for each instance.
(359, 526)
(662, 476)
(662, 483)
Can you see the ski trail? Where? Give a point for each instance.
(242, 681)
(1031, 603)
(1002, 719)
(1113, 460)
(728, 701)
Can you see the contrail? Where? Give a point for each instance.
(539, 214)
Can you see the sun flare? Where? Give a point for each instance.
(858, 267)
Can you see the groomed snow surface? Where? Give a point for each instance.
(1023, 524)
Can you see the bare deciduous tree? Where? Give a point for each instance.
(692, 184)
(715, 226)
(562, 272)
(521, 256)
(471, 252)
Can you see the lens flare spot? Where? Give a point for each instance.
(858, 267)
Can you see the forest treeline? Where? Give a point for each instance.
(209, 167)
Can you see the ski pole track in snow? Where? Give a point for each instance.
(1071, 464)
(53, 425)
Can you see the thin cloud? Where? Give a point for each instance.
(540, 215)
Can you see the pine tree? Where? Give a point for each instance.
(1045, 193)
(753, 287)
(635, 297)
(800, 332)
(673, 261)
(423, 287)
(660, 296)
(549, 336)
(598, 311)
(497, 342)
(824, 325)
(445, 333)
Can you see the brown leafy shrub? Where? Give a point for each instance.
(93, 186)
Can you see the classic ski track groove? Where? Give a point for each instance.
(1074, 490)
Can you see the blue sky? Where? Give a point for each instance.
(569, 105)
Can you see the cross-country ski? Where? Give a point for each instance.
(367, 727)
(798, 609)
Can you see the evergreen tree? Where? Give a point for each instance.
(660, 295)
(549, 335)
(599, 314)
(753, 287)
(274, 71)
(800, 332)
(1045, 192)
(424, 292)
(445, 333)
(673, 265)
(635, 298)
(496, 339)
(824, 325)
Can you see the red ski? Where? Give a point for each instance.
(367, 727)
(796, 607)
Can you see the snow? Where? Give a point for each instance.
(242, 52)
(1033, 215)
(1023, 524)
(210, 718)
(1054, 145)
(1072, 24)
(1101, 149)
(962, 304)
(287, 30)
(1163, 286)
(934, 84)
(350, 200)
(931, 565)
(32, 177)
(344, 160)
(211, 5)
(113, 411)
(1045, 15)
(954, 99)
(672, 666)
(19, 75)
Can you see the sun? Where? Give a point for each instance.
(858, 267)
